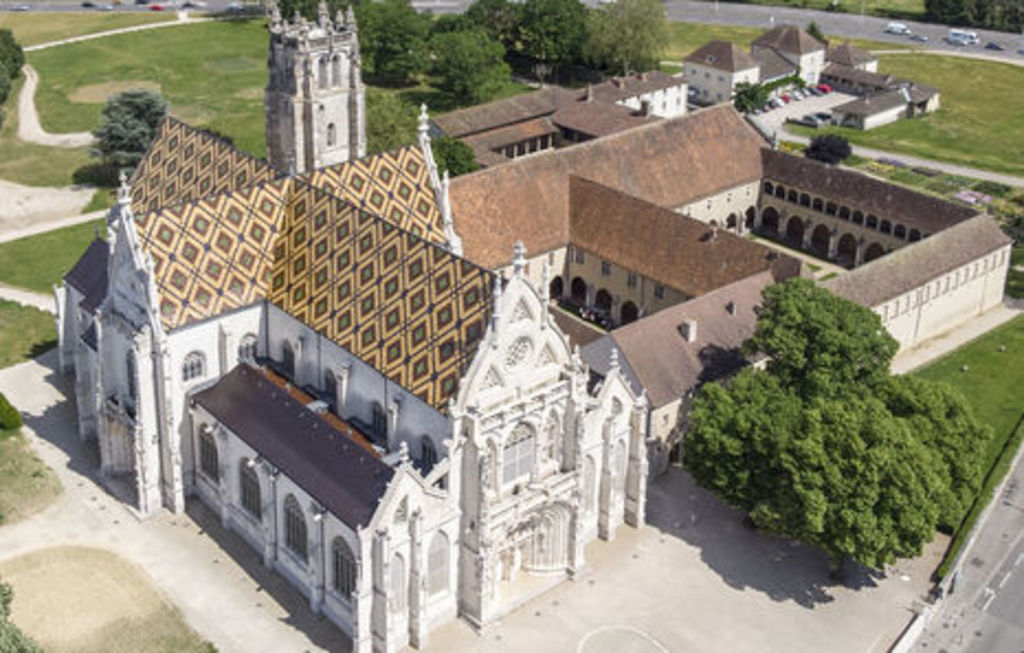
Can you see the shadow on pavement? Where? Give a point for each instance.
(743, 557)
(270, 585)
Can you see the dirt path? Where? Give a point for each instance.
(21, 206)
(29, 127)
(28, 298)
(183, 19)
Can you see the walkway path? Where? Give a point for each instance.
(22, 207)
(183, 19)
(27, 298)
(48, 225)
(29, 127)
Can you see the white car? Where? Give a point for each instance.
(897, 28)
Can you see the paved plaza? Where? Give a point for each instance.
(696, 579)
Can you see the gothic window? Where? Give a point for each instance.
(518, 352)
(437, 564)
(130, 371)
(343, 578)
(336, 70)
(332, 135)
(249, 488)
(294, 527)
(322, 73)
(518, 455)
(428, 454)
(397, 590)
(247, 348)
(208, 463)
(380, 422)
(193, 367)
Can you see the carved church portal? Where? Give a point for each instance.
(539, 545)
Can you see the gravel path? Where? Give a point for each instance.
(28, 298)
(22, 207)
(29, 127)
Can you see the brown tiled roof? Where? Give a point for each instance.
(857, 76)
(722, 55)
(659, 243)
(873, 103)
(599, 118)
(621, 88)
(323, 461)
(664, 363)
(669, 163)
(789, 39)
(505, 112)
(914, 265)
(510, 134)
(89, 275)
(773, 65)
(927, 213)
(579, 332)
(848, 54)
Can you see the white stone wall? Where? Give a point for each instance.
(885, 117)
(733, 201)
(665, 103)
(714, 85)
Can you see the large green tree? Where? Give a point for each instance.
(552, 32)
(823, 445)
(453, 155)
(390, 121)
(749, 97)
(127, 126)
(392, 41)
(5, 84)
(627, 35)
(499, 18)
(11, 56)
(470, 65)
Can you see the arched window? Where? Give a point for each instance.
(331, 389)
(130, 372)
(871, 222)
(780, 192)
(885, 227)
(194, 366)
(343, 578)
(397, 590)
(294, 527)
(899, 231)
(818, 205)
(332, 135)
(380, 422)
(428, 454)
(322, 72)
(805, 200)
(247, 348)
(844, 214)
(793, 196)
(336, 70)
(518, 458)
(768, 188)
(208, 463)
(249, 488)
(437, 564)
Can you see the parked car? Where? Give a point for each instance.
(814, 90)
(920, 38)
(194, 4)
(992, 45)
(777, 103)
(897, 28)
(156, 7)
(824, 88)
(785, 98)
(235, 8)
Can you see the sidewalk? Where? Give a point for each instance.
(941, 345)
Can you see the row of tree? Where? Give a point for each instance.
(11, 61)
(1005, 15)
(824, 445)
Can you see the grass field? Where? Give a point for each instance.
(213, 74)
(37, 262)
(35, 28)
(104, 605)
(684, 38)
(980, 121)
(902, 8)
(30, 164)
(28, 484)
(25, 332)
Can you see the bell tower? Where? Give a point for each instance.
(315, 99)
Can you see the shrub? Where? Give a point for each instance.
(10, 418)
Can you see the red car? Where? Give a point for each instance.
(785, 98)
(156, 7)
(824, 88)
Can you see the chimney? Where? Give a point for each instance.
(590, 92)
(688, 329)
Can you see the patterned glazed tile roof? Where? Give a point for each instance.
(184, 164)
(394, 185)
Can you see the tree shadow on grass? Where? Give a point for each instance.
(743, 557)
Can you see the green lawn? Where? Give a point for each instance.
(37, 262)
(30, 164)
(684, 38)
(902, 8)
(29, 485)
(979, 124)
(34, 28)
(213, 74)
(24, 333)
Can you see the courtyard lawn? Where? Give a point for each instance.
(105, 605)
(980, 121)
(28, 484)
(33, 28)
(212, 74)
(991, 383)
(31, 164)
(25, 332)
(684, 38)
(38, 262)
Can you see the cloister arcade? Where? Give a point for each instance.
(846, 235)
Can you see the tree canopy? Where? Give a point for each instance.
(828, 148)
(552, 32)
(499, 18)
(470, 65)
(12, 640)
(1007, 15)
(11, 56)
(127, 126)
(392, 41)
(390, 122)
(627, 35)
(453, 155)
(750, 96)
(826, 447)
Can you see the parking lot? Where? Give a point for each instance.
(775, 118)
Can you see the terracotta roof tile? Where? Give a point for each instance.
(789, 39)
(723, 55)
(621, 88)
(848, 54)
(773, 65)
(873, 103)
(504, 112)
(598, 118)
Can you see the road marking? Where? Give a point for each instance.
(1019, 559)
(991, 597)
(630, 629)
(1005, 578)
